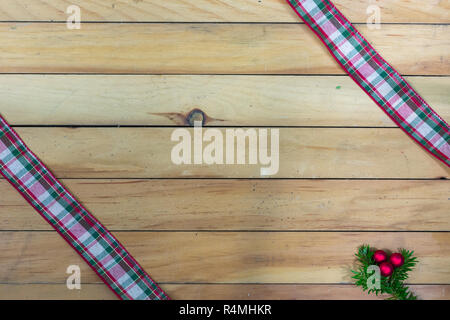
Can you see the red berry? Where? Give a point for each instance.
(386, 269)
(379, 256)
(397, 260)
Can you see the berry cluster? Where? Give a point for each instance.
(387, 264)
(394, 271)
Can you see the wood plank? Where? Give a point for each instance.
(303, 153)
(208, 48)
(226, 257)
(248, 205)
(292, 292)
(215, 11)
(215, 292)
(224, 100)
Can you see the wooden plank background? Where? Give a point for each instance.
(347, 175)
(208, 49)
(405, 11)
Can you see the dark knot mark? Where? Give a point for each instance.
(196, 115)
(189, 118)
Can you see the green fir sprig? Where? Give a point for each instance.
(392, 285)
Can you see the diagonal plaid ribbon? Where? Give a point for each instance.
(375, 76)
(93, 242)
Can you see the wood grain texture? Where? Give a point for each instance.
(247, 205)
(222, 238)
(224, 100)
(215, 11)
(215, 292)
(226, 257)
(208, 48)
(303, 153)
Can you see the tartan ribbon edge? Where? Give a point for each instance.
(101, 250)
(391, 92)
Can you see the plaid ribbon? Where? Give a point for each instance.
(375, 76)
(93, 242)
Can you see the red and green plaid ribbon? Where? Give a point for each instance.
(96, 245)
(375, 76)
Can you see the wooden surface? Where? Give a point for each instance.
(304, 153)
(208, 48)
(217, 291)
(406, 11)
(225, 100)
(347, 175)
(262, 204)
(227, 257)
